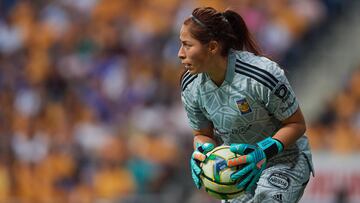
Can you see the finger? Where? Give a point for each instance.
(237, 161)
(198, 156)
(196, 180)
(206, 147)
(250, 158)
(246, 180)
(242, 172)
(197, 170)
(239, 148)
(253, 181)
(260, 164)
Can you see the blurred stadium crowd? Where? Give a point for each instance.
(337, 128)
(90, 106)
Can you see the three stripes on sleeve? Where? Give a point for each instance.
(258, 74)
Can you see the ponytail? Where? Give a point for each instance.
(244, 39)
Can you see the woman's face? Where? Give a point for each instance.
(192, 53)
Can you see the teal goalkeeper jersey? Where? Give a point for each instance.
(249, 105)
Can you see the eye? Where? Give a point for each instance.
(187, 45)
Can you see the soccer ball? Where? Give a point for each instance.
(216, 174)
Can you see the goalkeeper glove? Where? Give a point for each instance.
(255, 157)
(198, 156)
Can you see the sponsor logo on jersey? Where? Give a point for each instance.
(240, 130)
(279, 180)
(243, 106)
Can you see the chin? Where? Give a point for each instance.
(193, 72)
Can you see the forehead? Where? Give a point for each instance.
(185, 34)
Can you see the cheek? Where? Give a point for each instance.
(197, 57)
(200, 61)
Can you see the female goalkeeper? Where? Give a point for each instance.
(234, 96)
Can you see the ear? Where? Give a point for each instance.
(213, 47)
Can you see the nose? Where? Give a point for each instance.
(181, 53)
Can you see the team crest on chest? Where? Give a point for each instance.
(243, 106)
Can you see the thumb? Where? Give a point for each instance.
(202, 150)
(198, 156)
(238, 148)
(206, 147)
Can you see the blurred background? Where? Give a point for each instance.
(90, 107)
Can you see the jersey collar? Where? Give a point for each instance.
(230, 69)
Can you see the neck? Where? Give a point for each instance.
(217, 71)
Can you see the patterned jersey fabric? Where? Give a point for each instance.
(248, 106)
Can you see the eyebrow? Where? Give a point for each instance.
(184, 41)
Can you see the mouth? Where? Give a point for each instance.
(187, 66)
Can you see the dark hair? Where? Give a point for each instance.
(228, 28)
